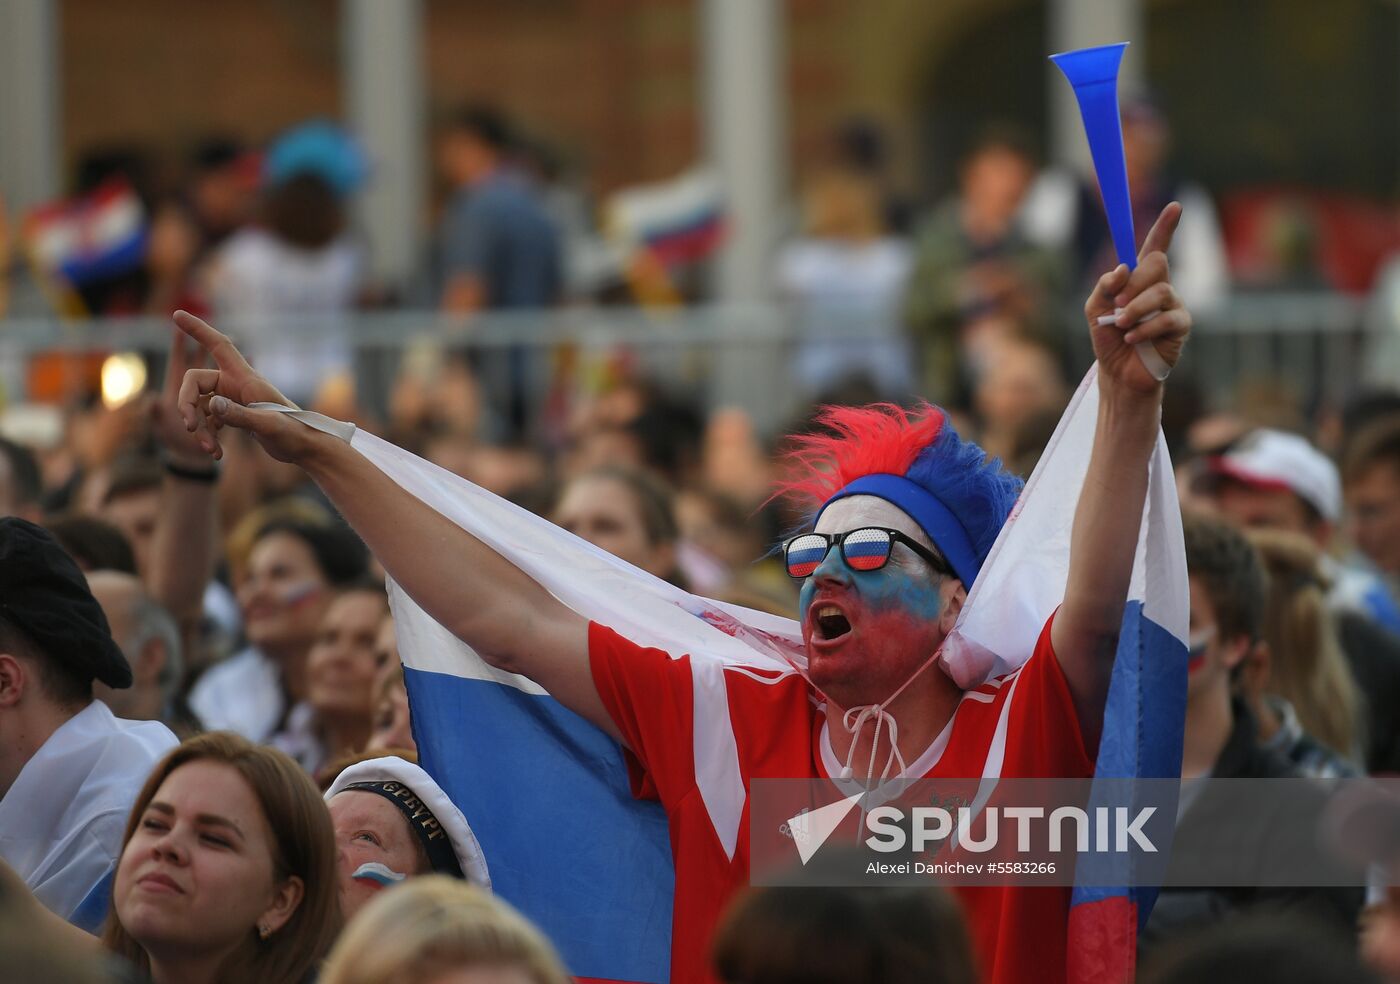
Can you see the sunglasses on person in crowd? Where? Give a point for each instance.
(865, 549)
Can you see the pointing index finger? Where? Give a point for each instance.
(1159, 239)
(213, 341)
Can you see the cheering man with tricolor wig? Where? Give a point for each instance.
(905, 515)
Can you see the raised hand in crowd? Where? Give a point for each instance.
(1109, 513)
(177, 444)
(185, 547)
(512, 621)
(236, 382)
(1146, 308)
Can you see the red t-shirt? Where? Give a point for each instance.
(700, 732)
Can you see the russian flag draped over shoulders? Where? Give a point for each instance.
(548, 794)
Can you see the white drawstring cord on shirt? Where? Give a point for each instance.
(864, 713)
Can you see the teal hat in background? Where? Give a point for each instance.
(322, 149)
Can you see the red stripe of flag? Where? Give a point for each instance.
(1102, 941)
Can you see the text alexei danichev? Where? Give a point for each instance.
(961, 868)
(925, 868)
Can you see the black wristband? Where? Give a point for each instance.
(206, 476)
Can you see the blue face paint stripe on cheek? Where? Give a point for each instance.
(891, 588)
(894, 588)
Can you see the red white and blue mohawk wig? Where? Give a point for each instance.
(914, 460)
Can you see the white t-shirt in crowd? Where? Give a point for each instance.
(242, 694)
(854, 290)
(62, 821)
(287, 306)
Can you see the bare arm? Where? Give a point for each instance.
(1109, 513)
(186, 537)
(478, 595)
(482, 598)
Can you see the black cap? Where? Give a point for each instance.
(44, 594)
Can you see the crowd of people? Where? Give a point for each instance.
(963, 305)
(208, 769)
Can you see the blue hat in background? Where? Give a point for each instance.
(318, 148)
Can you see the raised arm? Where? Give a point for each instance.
(478, 595)
(1109, 514)
(182, 560)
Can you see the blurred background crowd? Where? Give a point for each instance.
(599, 258)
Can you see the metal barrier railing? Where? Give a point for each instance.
(1311, 347)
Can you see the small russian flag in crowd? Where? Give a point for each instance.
(548, 794)
(678, 221)
(93, 237)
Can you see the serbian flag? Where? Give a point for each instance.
(93, 237)
(548, 795)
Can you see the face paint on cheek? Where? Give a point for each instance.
(804, 596)
(300, 594)
(894, 639)
(378, 874)
(891, 587)
(896, 590)
(1197, 647)
(894, 616)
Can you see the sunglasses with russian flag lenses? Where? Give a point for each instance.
(865, 549)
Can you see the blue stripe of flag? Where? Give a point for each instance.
(548, 797)
(1143, 726)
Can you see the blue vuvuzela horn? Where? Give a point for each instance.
(1093, 74)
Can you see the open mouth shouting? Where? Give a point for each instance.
(828, 622)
